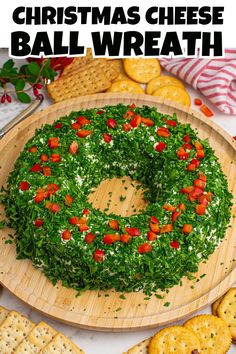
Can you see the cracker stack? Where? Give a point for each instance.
(19, 335)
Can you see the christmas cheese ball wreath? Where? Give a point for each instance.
(62, 233)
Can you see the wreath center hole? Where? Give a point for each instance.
(121, 196)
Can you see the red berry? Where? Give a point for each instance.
(38, 222)
(66, 235)
(8, 98)
(99, 256)
(35, 91)
(3, 99)
(174, 244)
(111, 123)
(24, 186)
(160, 146)
(107, 138)
(38, 86)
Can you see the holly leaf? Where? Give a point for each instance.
(23, 97)
(9, 64)
(19, 85)
(34, 68)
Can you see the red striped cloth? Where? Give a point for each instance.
(214, 78)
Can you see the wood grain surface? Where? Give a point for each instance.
(106, 311)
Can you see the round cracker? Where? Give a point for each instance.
(215, 305)
(142, 69)
(160, 81)
(174, 339)
(174, 93)
(213, 332)
(126, 86)
(227, 311)
(118, 65)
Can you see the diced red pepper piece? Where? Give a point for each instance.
(58, 126)
(46, 170)
(160, 146)
(191, 167)
(111, 123)
(125, 238)
(86, 211)
(44, 158)
(111, 238)
(198, 145)
(187, 190)
(166, 228)
(154, 220)
(82, 220)
(151, 236)
(169, 207)
(114, 224)
(175, 215)
(107, 138)
(200, 154)
(132, 105)
(163, 132)
(83, 133)
(186, 138)
(55, 208)
(24, 186)
(203, 200)
(197, 101)
(128, 114)
(182, 154)
(38, 222)
(148, 122)
(207, 111)
(187, 146)
(136, 121)
(99, 256)
(33, 149)
(187, 228)
(101, 111)
(55, 158)
(83, 227)
(195, 194)
(40, 197)
(171, 122)
(52, 188)
(195, 162)
(181, 207)
(68, 199)
(144, 248)
(75, 126)
(73, 148)
(132, 231)
(200, 209)
(174, 244)
(209, 196)
(36, 168)
(202, 177)
(74, 220)
(199, 183)
(127, 127)
(66, 235)
(154, 227)
(83, 120)
(89, 238)
(53, 143)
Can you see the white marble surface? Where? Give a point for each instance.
(92, 341)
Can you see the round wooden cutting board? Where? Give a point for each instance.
(107, 310)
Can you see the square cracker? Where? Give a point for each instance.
(78, 63)
(80, 83)
(61, 345)
(13, 330)
(140, 348)
(3, 314)
(37, 339)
